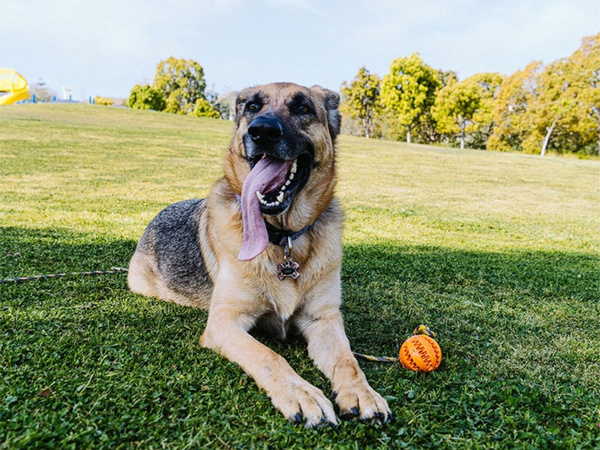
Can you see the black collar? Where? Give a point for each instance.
(277, 236)
(280, 237)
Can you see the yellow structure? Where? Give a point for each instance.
(13, 86)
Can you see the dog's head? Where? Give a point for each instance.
(282, 156)
(292, 126)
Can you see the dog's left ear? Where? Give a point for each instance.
(331, 100)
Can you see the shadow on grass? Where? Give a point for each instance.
(392, 289)
(387, 289)
(389, 286)
(26, 251)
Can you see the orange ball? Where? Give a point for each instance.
(420, 352)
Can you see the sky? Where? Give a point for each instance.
(105, 47)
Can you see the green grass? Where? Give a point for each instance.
(498, 253)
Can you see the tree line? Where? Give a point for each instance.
(553, 107)
(540, 108)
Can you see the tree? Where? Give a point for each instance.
(146, 97)
(552, 107)
(360, 99)
(182, 84)
(454, 108)
(409, 90)
(585, 78)
(482, 122)
(428, 128)
(512, 123)
(203, 108)
(447, 77)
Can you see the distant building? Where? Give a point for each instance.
(67, 93)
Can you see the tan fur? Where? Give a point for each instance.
(246, 291)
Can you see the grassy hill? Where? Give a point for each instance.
(498, 253)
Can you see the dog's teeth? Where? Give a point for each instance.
(283, 187)
(288, 182)
(280, 197)
(291, 176)
(294, 167)
(260, 196)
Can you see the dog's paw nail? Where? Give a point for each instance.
(333, 395)
(377, 418)
(351, 414)
(326, 423)
(390, 417)
(297, 419)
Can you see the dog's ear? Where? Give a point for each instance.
(331, 100)
(240, 101)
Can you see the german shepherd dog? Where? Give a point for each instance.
(264, 249)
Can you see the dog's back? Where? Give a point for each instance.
(168, 261)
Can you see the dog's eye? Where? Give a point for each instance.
(252, 107)
(302, 109)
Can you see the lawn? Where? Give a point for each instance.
(498, 253)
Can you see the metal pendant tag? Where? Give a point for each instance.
(288, 268)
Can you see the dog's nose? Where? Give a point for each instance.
(265, 130)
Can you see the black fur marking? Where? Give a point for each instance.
(173, 238)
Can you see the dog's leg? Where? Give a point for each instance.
(321, 324)
(227, 333)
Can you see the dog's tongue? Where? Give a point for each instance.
(268, 174)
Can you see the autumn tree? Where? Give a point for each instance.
(454, 108)
(566, 112)
(408, 91)
(515, 95)
(552, 108)
(182, 84)
(360, 99)
(585, 78)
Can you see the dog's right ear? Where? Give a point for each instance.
(332, 102)
(240, 101)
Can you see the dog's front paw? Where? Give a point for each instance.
(359, 400)
(301, 402)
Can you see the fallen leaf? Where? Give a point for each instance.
(46, 392)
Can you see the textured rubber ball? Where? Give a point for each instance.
(420, 353)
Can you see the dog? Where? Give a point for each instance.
(264, 250)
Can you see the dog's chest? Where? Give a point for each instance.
(282, 298)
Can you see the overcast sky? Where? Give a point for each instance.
(105, 47)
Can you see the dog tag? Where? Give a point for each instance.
(288, 268)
